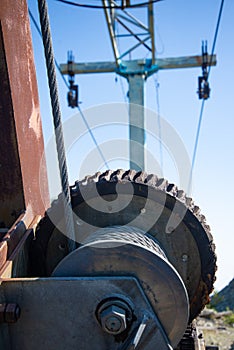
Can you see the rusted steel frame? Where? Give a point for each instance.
(23, 176)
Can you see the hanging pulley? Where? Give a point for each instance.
(72, 95)
(203, 84)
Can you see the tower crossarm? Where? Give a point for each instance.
(144, 66)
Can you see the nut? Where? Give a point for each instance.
(113, 319)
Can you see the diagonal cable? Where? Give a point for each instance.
(159, 123)
(39, 32)
(203, 101)
(93, 138)
(52, 81)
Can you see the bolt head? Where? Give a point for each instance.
(184, 257)
(113, 320)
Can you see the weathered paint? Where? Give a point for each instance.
(133, 66)
(23, 178)
(21, 146)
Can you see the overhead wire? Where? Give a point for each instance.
(79, 109)
(140, 4)
(156, 82)
(216, 35)
(157, 85)
(203, 101)
(57, 120)
(93, 137)
(39, 32)
(122, 89)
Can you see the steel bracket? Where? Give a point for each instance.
(61, 313)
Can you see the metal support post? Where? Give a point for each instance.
(136, 72)
(136, 121)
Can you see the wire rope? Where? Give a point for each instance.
(52, 82)
(93, 138)
(159, 123)
(141, 4)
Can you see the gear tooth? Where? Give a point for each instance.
(189, 202)
(207, 227)
(83, 182)
(202, 219)
(140, 177)
(151, 180)
(162, 184)
(94, 178)
(117, 175)
(46, 226)
(129, 174)
(181, 196)
(76, 185)
(196, 210)
(105, 176)
(172, 189)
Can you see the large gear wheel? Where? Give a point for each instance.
(142, 201)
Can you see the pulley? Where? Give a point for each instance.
(127, 251)
(72, 95)
(133, 225)
(203, 84)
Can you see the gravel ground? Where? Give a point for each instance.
(215, 331)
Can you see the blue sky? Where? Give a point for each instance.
(180, 27)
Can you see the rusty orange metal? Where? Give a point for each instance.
(23, 177)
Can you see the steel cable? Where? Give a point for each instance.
(141, 4)
(93, 138)
(159, 123)
(39, 32)
(52, 81)
(203, 101)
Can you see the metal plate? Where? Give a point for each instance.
(59, 313)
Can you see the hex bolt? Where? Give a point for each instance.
(184, 257)
(113, 319)
(113, 324)
(9, 313)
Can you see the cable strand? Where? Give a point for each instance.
(52, 81)
(159, 123)
(142, 4)
(215, 36)
(93, 138)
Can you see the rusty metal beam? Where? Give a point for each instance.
(21, 146)
(23, 178)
